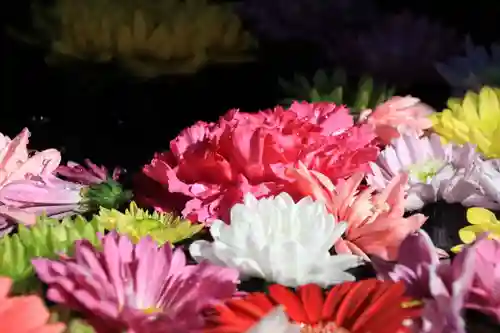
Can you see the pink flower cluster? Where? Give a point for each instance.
(267, 169)
(214, 164)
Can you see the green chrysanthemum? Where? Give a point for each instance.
(47, 238)
(138, 223)
(335, 88)
(108, 194)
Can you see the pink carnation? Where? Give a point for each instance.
(214, 165)
(375, 221)
(399, 115)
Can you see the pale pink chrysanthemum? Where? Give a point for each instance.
(132, 286)
(375, 220)
(398, 115)
(213, 165)
(27, 185)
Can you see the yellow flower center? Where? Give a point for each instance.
(151, 310)
(425, 170)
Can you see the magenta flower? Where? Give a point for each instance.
(417, 255)
(442, 285)
(484, 296)
(449, 285)
(127, 286)
(90, 175)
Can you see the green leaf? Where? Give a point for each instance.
(364, 94)
(321, 81)
(336, 88)
(337, 95)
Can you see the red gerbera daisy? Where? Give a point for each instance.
(368, 306)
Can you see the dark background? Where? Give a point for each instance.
(97, 112)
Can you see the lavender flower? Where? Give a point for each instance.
(472, 70)
(315, 21)
(401, 49)
(442, 285)
(437, 172)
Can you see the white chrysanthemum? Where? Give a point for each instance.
(275, 321)
(280, 241)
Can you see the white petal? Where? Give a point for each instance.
(280, 241)
(203, 250)
(275, 321)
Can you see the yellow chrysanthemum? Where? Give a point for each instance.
(481, 220)
(475, 119)
(138, 223)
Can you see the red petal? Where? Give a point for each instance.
(334, 298)
(385, 313)
(368, 306)
(312, 299)
(262, 301)
(246, 309)
(354, 303)
(293, 306)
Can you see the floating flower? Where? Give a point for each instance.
(16, 162)
(24, 200)
(484, 295)
(124, 285)
(475, 119)
(375, 222)
(282, 21)
(29, 188)
(442, 285)
(280, 241)
(24, 314)
(399, 115)
(138, 223)
(400, 48)
(476, 68)
(436, 172)
(102, 189)
(48, 238)
(214, 165)
(92, 174)
(488, 175)
(449, 284)
(482, 221)
(356, 307)
(417, 255)
(16, 165)
(149, 39)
